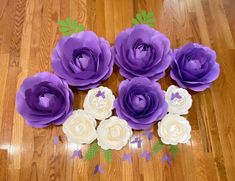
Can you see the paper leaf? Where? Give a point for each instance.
(144, 17)
(69, 27)
(158, 147)
(108, 155)
(174, 149)
(92, 151)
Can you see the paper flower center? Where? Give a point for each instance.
(99, 103)
(79, 128)
(141, 51)
(82, 61)
(139, 101)
(175, 130)
(100, 94)
(177, 98)
(194, 64)
(45, 100)
(115, 132)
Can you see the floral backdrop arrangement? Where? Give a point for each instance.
(83, 60)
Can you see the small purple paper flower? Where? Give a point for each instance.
(142, 51)
(194, 67)
(44, 99)
(138, 141)
(77, 153)
(127, 157)
(82, 60)
(56, 140)
(167, 158)
(141, 102)
(146, 155)
(98, 168)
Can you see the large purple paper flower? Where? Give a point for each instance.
(82, 60)
(140, 102)
(44, 99)
(142, 51)
(194, 67)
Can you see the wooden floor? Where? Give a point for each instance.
(28, 33)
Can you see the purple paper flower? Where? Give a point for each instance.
(194, 67)
(141, 102)
(82, 60)
(44, 99)
(142, 51)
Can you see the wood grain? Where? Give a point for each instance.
(28, 34)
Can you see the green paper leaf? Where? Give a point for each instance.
(92, 151)
(139, 18)
(174, 149)
(144, 17)
(69, 27)
(108, 155)
(143, 13)
(135, 22)
(150, 15)
(158, 147)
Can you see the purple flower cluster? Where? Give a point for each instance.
(84, 60)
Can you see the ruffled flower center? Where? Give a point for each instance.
(194, 64)
(141, 51)
(115, 133)
(139, 101)
(45, 100)
(84, 60)
(177, 98)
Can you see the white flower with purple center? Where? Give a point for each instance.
(99, 103)
(178, 99)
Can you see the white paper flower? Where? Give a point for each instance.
(113, 133)
(178, 99)
(80, 128)
(99, 102)
(174, 129)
